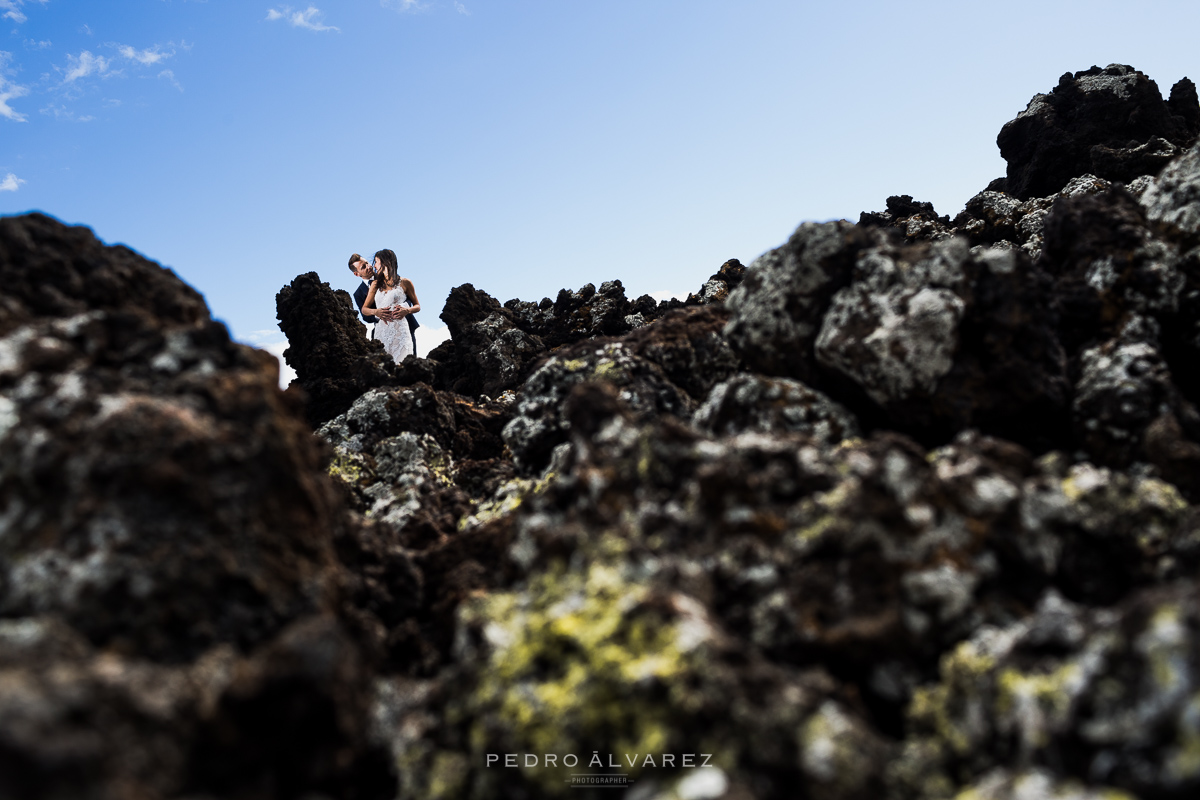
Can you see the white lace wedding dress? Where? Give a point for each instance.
(395, 335)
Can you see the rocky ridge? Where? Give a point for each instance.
(906, 508)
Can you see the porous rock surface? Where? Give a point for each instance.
(1111, 122)
(905, 509)
(168, 577)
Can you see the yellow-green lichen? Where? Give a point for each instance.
(1040, 785)
(507, 499)
(834, 751)
(576, 661)
(447, 776)
(1039, 702)
(1164, 643)
(820, 514)
(1183, 760)
(350, 468)
(941, 709)
(607, 369)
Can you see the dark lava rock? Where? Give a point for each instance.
(493, 347)
(1173, 198)
(1111, 122)
(717, 288)
(328, 347)
(81, 723)
(749, 402)
(1108, 264)
(690, 346)
(167, 560)
(775, 313)
(937, 337)
(914, 219)
(901, 511)
(142, 450)
(843, 573)
(540, 422)
(1109, 692)
(490, 353)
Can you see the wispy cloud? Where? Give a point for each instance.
(85, 64)
(10, 183)
(460, 8)
(12, 9)
(31, 44)
(403, 5)
(64, 114)
(151, 55)
(310, 18)
(9, 91)
(168, 75)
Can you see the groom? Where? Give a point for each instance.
(360, 267)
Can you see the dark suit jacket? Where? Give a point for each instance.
(360, 297)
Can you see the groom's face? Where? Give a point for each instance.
(362, 269)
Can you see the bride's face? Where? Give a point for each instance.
(378, 265)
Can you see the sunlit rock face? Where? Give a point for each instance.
(902, 510)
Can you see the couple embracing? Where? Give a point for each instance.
(389, 301)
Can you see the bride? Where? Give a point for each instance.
(391, 299)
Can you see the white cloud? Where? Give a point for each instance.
(31, 44)
(151, 55)
(85, 28)
(667, 294)
(86, 64)
(403, 5)
(10, 183)
(12, 9)
(64, 114)
(9, 91)
(170, 76)
(460, 8)
(309, 18)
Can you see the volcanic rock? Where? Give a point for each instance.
(167, 564)
(748, 402)
(541, 422)
(328, 347)
(1111, 122)
(775, 313)
(903, 510)
(1067, 685)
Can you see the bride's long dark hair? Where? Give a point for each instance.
(389, 273)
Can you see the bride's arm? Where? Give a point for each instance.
(369, 308)
(410, 291)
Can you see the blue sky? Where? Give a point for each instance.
(520, 145)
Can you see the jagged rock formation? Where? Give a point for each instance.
(1111, 122)
(492, 348)
(905, 509)
(328, 347)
